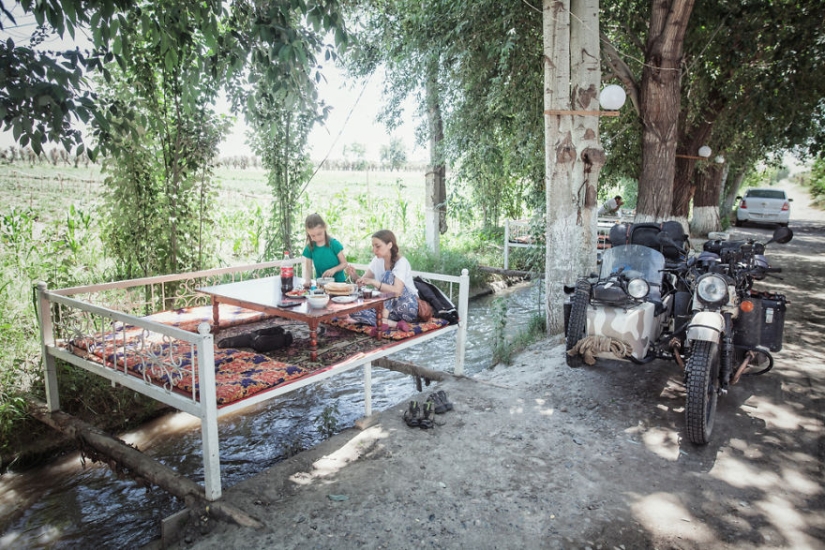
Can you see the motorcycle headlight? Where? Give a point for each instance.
(712, 290)
(638, 288)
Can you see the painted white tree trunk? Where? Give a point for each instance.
(564, 230)
(705, 219)
(573, 154)
(585, 79)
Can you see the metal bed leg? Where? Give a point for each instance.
(209, 415)
(47, 338)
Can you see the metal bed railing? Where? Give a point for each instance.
(97, 314)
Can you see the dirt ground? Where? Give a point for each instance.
(538, 455)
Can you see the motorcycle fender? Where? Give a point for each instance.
(707, 326)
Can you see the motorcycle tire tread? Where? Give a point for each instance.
(700, 405)
(577, 325)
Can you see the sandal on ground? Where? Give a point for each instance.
(426, 421)
(412, 416)
(440, 402)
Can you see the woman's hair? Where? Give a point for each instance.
(389, 238)
(313, 221)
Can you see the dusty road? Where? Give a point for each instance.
(538, 455)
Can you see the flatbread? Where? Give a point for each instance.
(338, 287)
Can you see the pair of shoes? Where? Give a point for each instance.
(403, 326)
(419, 416)
(412, 416)
(440, 402)
(426, 421)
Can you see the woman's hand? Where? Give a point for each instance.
(351, 273)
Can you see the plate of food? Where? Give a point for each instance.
(339, 289)
(344, 299)
(297, 293)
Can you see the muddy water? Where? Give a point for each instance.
(70, 505)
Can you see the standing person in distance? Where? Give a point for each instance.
(391, 274)
(322, 252)
(611, 206)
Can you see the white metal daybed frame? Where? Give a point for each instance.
(69, 311)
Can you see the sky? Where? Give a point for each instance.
(339, 130)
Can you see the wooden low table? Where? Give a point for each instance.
(265, 294)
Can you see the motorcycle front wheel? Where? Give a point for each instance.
(701, 379)
(577, 324)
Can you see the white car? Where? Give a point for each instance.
(764, 205)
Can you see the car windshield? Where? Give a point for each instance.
(766, 194)
(634, 261)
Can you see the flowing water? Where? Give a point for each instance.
(70, 505)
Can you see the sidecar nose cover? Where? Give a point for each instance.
(636, 325)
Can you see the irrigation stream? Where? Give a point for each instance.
(68, 504)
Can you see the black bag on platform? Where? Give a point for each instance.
(261, 340)
(443, 308)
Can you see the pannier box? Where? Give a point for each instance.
(765, 325)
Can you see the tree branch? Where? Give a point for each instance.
(622, 71)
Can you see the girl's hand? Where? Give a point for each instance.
(329, 273)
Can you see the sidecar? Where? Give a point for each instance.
(622, 314)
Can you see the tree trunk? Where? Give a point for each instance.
(660, 107)
(731, 186)
(435, 193)
(564, 203)
(586, 76)
(706, 201)
(684, 183)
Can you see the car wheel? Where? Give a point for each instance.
(738, 222)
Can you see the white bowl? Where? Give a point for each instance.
(318, 301)
(322, 281)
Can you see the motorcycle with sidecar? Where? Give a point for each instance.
(733, 328)
(652, 300)
(636, 304)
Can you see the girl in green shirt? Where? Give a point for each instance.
(323, 252)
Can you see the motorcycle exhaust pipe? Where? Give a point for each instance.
(675, 348)
(741, 368)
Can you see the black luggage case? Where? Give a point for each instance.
(765, 325)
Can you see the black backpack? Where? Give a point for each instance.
(443, 308)
(646, 234)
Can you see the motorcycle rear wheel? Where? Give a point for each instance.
(701, 380)
(577, 324)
